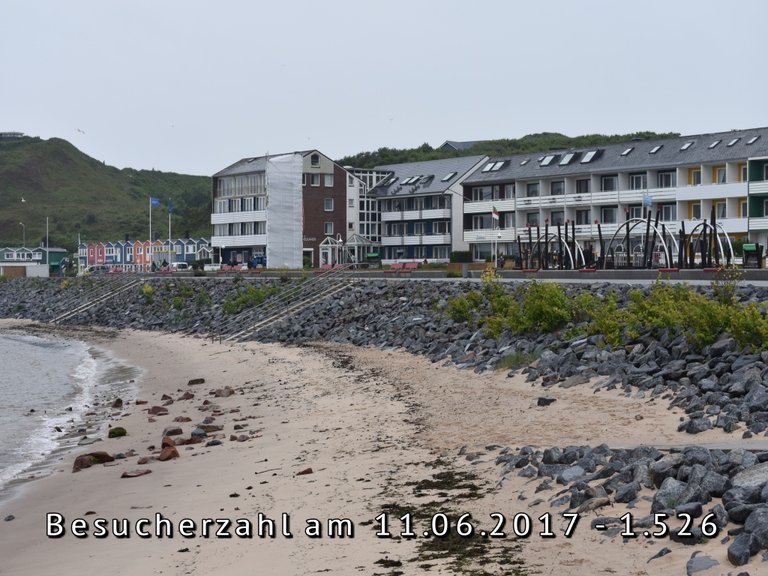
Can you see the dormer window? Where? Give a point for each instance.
(656, 149)
(315, 159)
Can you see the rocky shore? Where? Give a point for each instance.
(720, 387)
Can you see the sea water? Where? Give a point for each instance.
(53, 393)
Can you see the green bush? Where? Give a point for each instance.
(459, 308)
(461, 256)
(749, 327)
(246, 298)
(545, 307)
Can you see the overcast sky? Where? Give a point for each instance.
(192, 86)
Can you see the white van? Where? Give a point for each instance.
(96, 269)
(179, 266)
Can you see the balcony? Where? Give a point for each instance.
(758, 223)
(709, 191)
(758, 187)
(401, 215)
(234, 217)
(485, 206)
(238, 241)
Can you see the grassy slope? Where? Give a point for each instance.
(81, 195)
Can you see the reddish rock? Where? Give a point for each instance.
(225, 392)
(240, 426)
(135, 473)
(182, 419)
(143, 460)
(186, 396)
(118, 403)
(209, 420)
(243, 438)
(208, 428)
(158, 411)
(168, 454)
(167, 402)
(82, 462)
(173, 431)
(305, 472)
(166, 442)
(191, 440)
(150, 419)
(195, 381)
(101, 457)
(165, 397)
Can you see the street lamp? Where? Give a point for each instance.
(23, 234)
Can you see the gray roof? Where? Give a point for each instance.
(431, 172)
(257, 163)
(460, 146)
(609, 159)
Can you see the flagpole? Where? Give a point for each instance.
(148, 255)
(171, 252)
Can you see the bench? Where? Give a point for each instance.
(410, 267)
(394, 268)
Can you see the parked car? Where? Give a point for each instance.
(179, 266)
(95, 269)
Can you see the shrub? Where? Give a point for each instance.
(461, 256)
(148, 293)
(749, 327)
(544, 307)
(460, 308)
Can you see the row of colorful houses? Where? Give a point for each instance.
(139, 255)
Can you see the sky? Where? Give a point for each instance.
(193, 86)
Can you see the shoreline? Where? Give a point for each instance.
(68, 429)
(383, 433)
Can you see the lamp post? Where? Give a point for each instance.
(23, 234)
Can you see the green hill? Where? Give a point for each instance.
(83, 196)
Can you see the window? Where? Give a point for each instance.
(765, 172)
(608, 214)
(715, 143)
(557, 188)
(720, 209)
(532, 218)
(304, 179)
(567, 158)
(582, 186)
(440, 227)
(328, 180)
(656, 149)
(482, 193)
(582, 217)
(509, 191)
(732, 142)
(487, 167)
(548, 160)
(667, 179)
(696, 211)
(696, 177)
(418, 228)
(669, 212)
(744, 173)
(752, 140)
(314, 179)
(636, 212)
(628, 151)
(524, 162)
(497, 166)
(532, 189)
(481, 222)
(686, 145)
(608, 183)
(743, 206)
(720, 175)
(351, 203)
(350, 180)
(328, 228)
(328, 204)
(638, 181)
(448, 176)
(557, 217)
(315, 159)
(588, 156)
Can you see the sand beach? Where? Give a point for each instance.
(321, 450)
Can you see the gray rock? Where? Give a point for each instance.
(751, 477)
(743, 547)
(699, 562)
